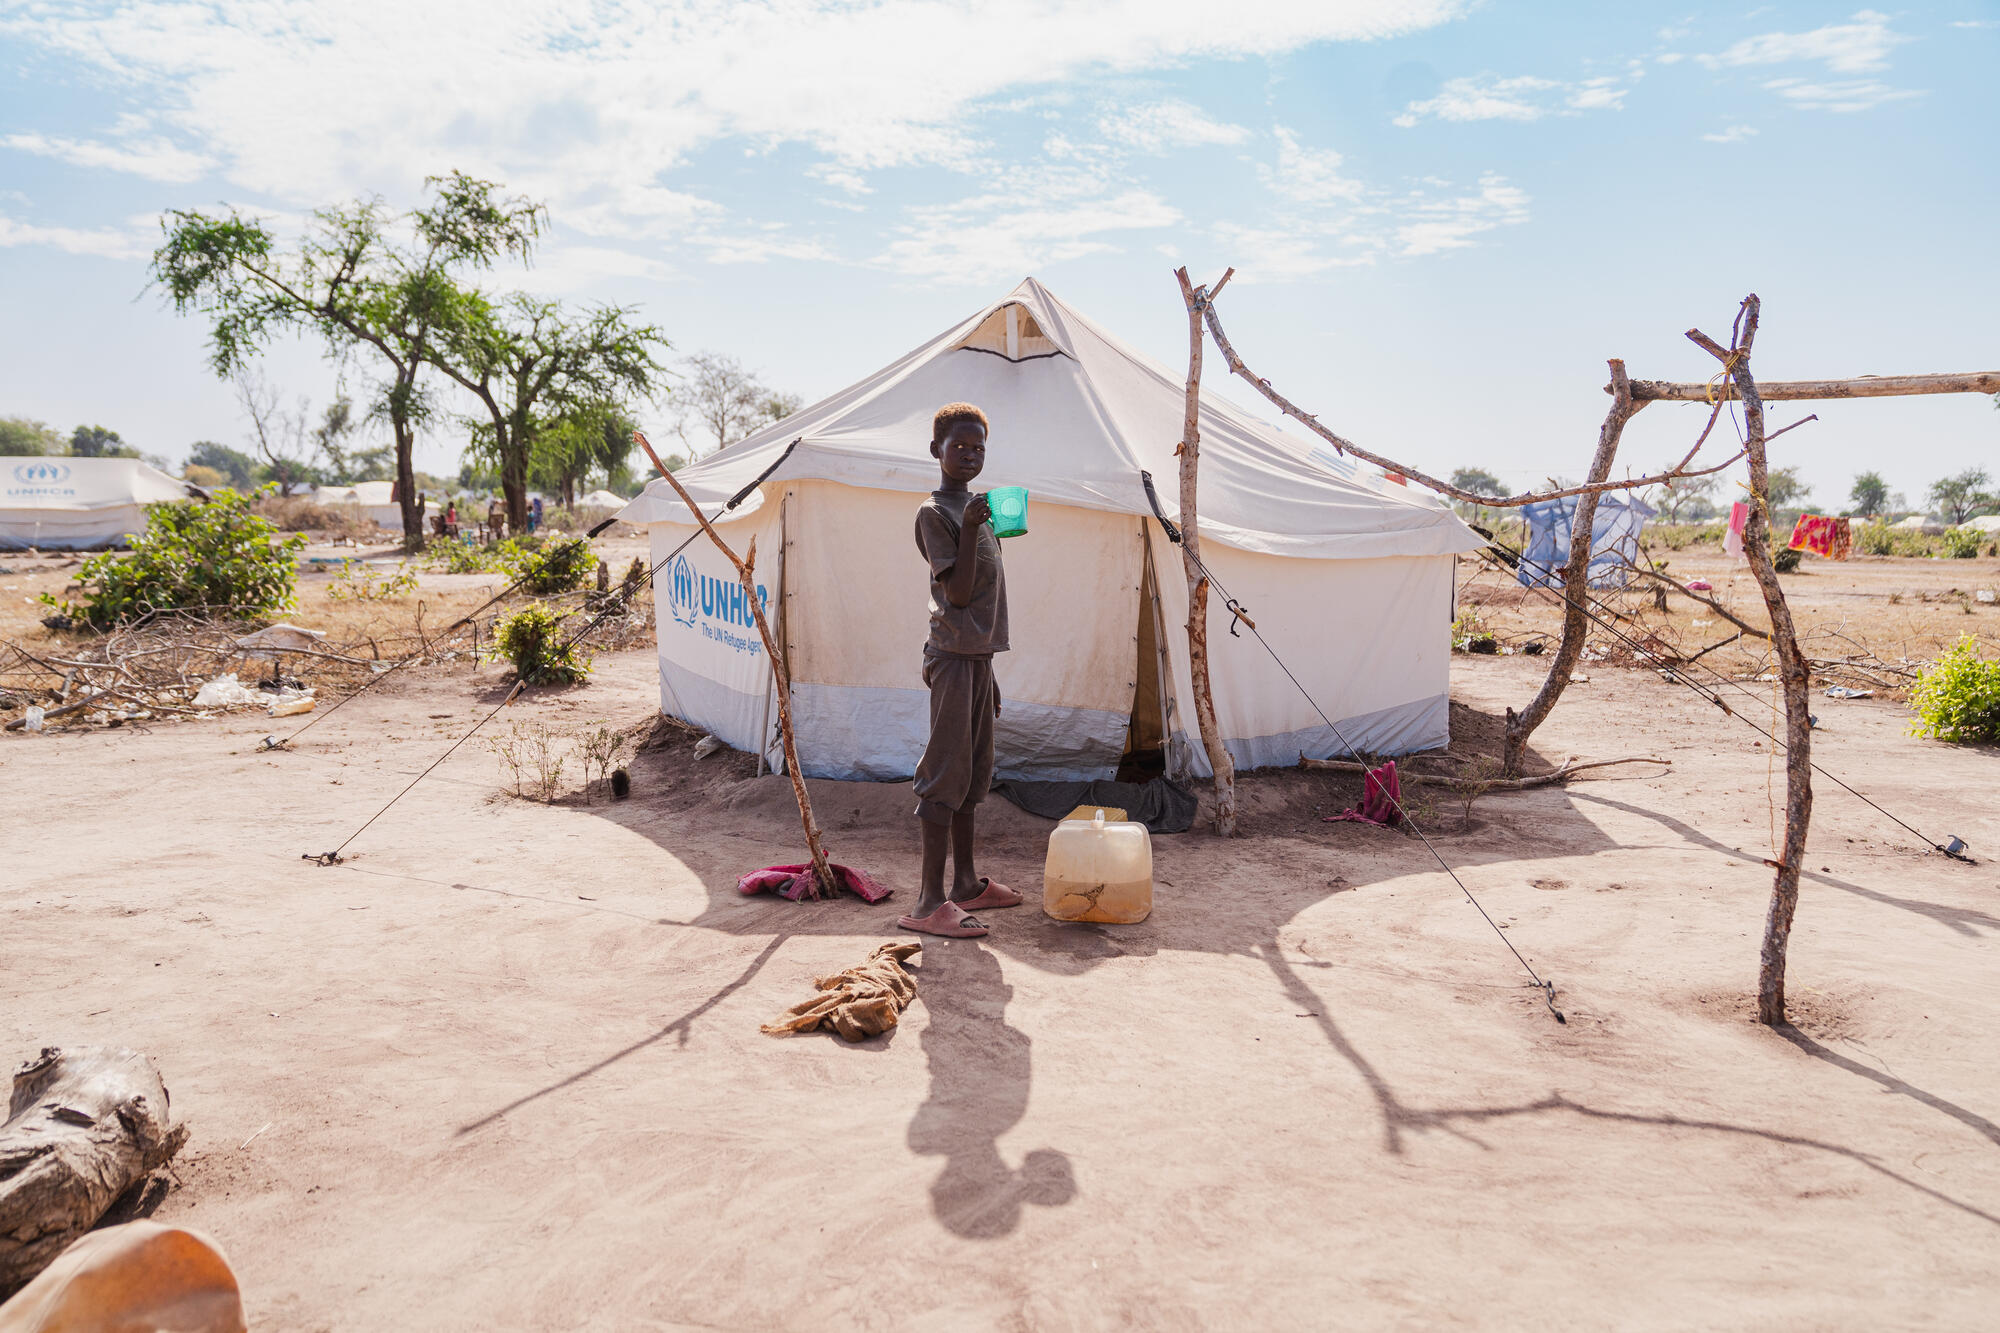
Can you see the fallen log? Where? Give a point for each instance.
(1481, 785)
(84, 1125)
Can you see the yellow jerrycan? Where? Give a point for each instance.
(1101, 870)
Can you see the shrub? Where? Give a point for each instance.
(1787, 560)
(465, 558)
(532, 640)
(554, 567)
(1959, 543)
(217, 558)
(367, 586)
(1957, 698)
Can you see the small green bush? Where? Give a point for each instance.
(1959, 543)
(218, 558)
(532, 640)
(1786, 561)
(1957, 697)
(465, 558)
(558, 566)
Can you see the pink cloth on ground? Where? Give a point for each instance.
(796, 883)
(1732, 541)
(1381, 794)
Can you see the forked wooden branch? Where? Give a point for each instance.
(745, 567)
(1569, 770)
(1595, 486)
(1198, 299)
(1792, 669)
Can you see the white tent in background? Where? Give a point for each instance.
(600, 500)
(367, 499)
(79, 504)
(1984, 523)
(1350, 578)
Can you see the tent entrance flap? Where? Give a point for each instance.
(1146, 740)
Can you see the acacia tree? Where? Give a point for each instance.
(353, 282)
(1869, 495)
(531, 363)
(596, 437)
(1961, 496)
(723, 402)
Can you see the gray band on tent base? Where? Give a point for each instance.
(1403, 729)
(863, 733)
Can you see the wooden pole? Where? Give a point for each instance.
(744, 569)
(1792, 669)
(1576, 583)
(1866, 386)
(1197, 622)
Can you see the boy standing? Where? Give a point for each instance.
(968, 599)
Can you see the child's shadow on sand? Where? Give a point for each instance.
(980, 1071)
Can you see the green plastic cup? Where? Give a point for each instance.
(1010, 510)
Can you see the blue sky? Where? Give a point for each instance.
(1444, 216)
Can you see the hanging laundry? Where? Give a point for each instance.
(1831, 538)
(1614, 540)
(1732, 541)
(1381, 798)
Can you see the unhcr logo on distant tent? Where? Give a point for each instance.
(41, 479)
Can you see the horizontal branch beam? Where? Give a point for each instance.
(1867, 386)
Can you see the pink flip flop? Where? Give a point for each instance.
(993, 895)
(950, 920)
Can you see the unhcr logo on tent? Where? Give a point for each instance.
(711, 604)
(40, 478)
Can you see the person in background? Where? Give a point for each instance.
(535, 514)
(496, 520)
(451, 519)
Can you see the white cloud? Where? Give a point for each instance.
(1307, 176)
(1855, 47)
(1734, 134)
(1482, 98)
(840, 178)
(155, 158)
(1523, 97)
(1975, 23)
(1450, 224)
(1670, 57)
(1848, 95)
(306, 102)
(1156, 127)
(104, 242)
(1007, 235)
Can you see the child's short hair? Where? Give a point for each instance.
(951, 414)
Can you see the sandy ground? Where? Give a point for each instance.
(502, 1069)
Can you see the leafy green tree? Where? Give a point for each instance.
(237, 468)
(26, 437)
(531, 363)
(594, 439)
(1869, 495)
(345, 464)
(1787, 489)
(353, 281)
(98, 442)
(1962, 495)
(1479, 481)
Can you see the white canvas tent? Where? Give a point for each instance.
(79, 504)
(1348, 576)
(367, 499)
(601, 499)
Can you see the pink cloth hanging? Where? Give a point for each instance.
(1381, 797)
(1732, 541)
